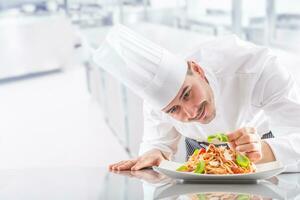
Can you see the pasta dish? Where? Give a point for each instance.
(217, 160)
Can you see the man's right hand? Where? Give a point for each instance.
(149, 159)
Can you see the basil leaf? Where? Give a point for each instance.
(242, 160)
(211, 138)
(243, 197)
(201, 196)
(222, 137)
(200, 167)
(182, 168)
(196, 152)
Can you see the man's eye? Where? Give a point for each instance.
(174, 109)
(186, 95)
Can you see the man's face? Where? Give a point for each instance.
(195, 100)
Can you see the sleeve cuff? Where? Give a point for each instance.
(284, 152)
(167, 152)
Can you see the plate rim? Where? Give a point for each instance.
(280, 169)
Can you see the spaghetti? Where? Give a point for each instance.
(217, 160)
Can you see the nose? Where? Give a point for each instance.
(191, 111)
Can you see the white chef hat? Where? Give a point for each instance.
(152, 72)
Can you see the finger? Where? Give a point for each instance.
(117, 167)
(114, 167)
(142, 164)
(240, 132)
(111, 165)
(127, 165)
(119, 164)
(254, 156)
(246, 138)
(116, 164)
(232, 136)
(232, 145)
(254, 146)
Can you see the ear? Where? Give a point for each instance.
(197, 69)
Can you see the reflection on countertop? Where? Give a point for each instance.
(157, 186)
(91, 183)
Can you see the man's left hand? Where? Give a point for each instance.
(248, 141)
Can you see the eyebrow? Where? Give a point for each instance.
(180, 97)
(183, 92)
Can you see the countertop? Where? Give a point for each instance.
(97, 183)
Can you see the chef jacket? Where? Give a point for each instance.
(250, 88)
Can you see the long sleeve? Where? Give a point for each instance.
(158, 133)
(278, 95)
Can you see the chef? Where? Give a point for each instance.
(226, 85)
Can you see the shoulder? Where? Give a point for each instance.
(273, 82)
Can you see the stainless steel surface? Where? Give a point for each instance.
(91, 183)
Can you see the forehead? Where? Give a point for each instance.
(183, 88)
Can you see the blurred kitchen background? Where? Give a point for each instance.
(57, 108)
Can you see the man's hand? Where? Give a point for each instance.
(149, 159)
(248, 141)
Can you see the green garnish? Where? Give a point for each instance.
(200, 167)
(242, 160)
(201, 196)
(219, 136)
(196, 152)
(224, 137)
(182, 168)
(243, 197)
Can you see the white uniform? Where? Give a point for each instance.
(250, 89)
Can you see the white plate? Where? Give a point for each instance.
(263, 171)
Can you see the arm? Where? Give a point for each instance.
(159, 133)
(159, 142)
(278, 95)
